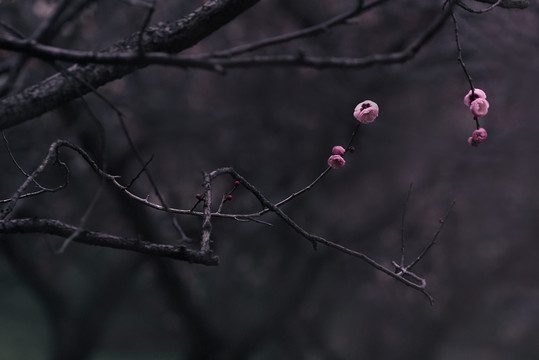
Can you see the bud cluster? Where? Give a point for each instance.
(476, 101)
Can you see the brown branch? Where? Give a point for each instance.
(418, 285)
(132, 58)
(44, 33)
(169, 37)
(55, 227)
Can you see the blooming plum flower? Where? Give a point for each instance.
(366, 111)
(479, 107)
(338, 150)
(336, 161)
(478, 94)
(478, 136)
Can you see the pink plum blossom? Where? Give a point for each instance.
(479, 94)
(336, 161)
(338, 150)
(366, 111)
(479, 107)
(478, 136)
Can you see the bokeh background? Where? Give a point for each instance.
(272, 296)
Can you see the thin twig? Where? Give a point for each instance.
(459, 50)
(30, 179)
(150, 5)
(480, 11)
(403, 224)
(298, 193)
(328, 169)
(140, 172)
(310, 31)
(433, 241)
(12, 30)
(40, 187)
(84, 219)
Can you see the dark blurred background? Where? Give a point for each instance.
(272, 296)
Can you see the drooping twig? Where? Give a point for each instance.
(509, 4)
(459, 50)
(39, 186)
(475, 11)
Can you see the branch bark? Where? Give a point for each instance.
(55, 227)
(170, 37)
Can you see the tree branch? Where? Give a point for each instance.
(55, 227)
(171, 37)
(131, 58)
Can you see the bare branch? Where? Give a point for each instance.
(310, 31)
(315, 239)
(55, 227)
(133, 58)
(170, 37)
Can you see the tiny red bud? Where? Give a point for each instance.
(198, 196)
(229, 197)
(236, 183)
(441, 221)
(351, 149)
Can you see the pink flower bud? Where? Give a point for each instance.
(479, 107)
(336, 161)
(478, 136)
(478, 94)
(338, 150)
(366, 111)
